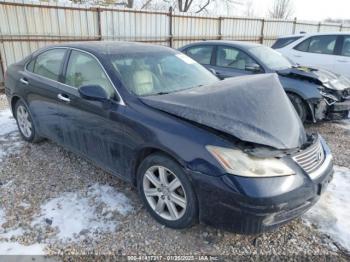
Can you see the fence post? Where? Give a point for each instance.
(262, 31)
(294, 25)
(99, 25)
(171, 26)
(2, 71)
(341, 28)
(319, 27)
(220, 28)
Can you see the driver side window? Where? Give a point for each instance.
(83, 69)
(232, 58)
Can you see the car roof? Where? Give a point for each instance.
(314, 34)
(240, 44)
(114, 47)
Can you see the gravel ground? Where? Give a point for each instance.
(37, 173)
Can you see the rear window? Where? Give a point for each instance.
(282, 42)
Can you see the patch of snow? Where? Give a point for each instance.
(331, 215)
(7, 122)
(14, 248)
(24, 205)
(10, 140)
(88, 213)
(2, 217)
(12, 233)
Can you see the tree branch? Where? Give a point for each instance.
(203, 7)
(146, 4)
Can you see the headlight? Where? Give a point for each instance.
(337, 84)
(238, 163)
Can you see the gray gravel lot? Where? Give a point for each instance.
(39, 172)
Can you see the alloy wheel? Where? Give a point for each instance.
(164, 192)
(24, 122)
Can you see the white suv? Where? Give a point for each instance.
(324, 50)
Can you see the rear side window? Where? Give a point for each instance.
(48, 64)
(83, 69)
(282, 42)
(324, 44)
(346, 46)
(202, 54)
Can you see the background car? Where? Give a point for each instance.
(197, 148)
(330, 51)
(315, 94)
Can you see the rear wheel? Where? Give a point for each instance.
(25, 123)
(299, 106)
(166, 192)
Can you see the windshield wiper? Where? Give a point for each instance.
(160, 93)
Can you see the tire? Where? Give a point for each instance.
(169, 193)
(299, 106)
(25, 123)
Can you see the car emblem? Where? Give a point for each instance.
(319, 156)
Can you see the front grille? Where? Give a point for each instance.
(311, 158)
(346, 93)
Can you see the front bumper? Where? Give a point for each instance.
(255, 205)
(339, 110)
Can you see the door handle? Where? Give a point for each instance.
(63, 98)
(342, 61)
(24, 81)
(297, 55)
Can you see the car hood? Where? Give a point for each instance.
(251, 108)
(318, 76)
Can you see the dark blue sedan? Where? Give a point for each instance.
(197, 148)
(316, 94)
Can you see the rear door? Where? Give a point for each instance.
(92, 128)
(318, 51)
(231, 62)
(41, 82)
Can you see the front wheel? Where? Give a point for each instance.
(167, 192)
(299, 106)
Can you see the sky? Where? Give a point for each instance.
(309, 9)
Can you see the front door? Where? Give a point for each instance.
(92, 128)
(231, 62)
(316, 51)
(342, 65)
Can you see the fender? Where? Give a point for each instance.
(306, 90)
(147, 149)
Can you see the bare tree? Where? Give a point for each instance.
(198, 6)
(249, 10)
(281, 9)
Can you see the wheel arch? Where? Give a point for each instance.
(147, 151)
(308, 105)
(14, 100)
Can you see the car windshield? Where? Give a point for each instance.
(271, 58)
(159, 73)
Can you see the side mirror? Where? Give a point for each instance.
(253, 68)
(212, 71)
(93, 92)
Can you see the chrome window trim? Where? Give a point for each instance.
(121, 101)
